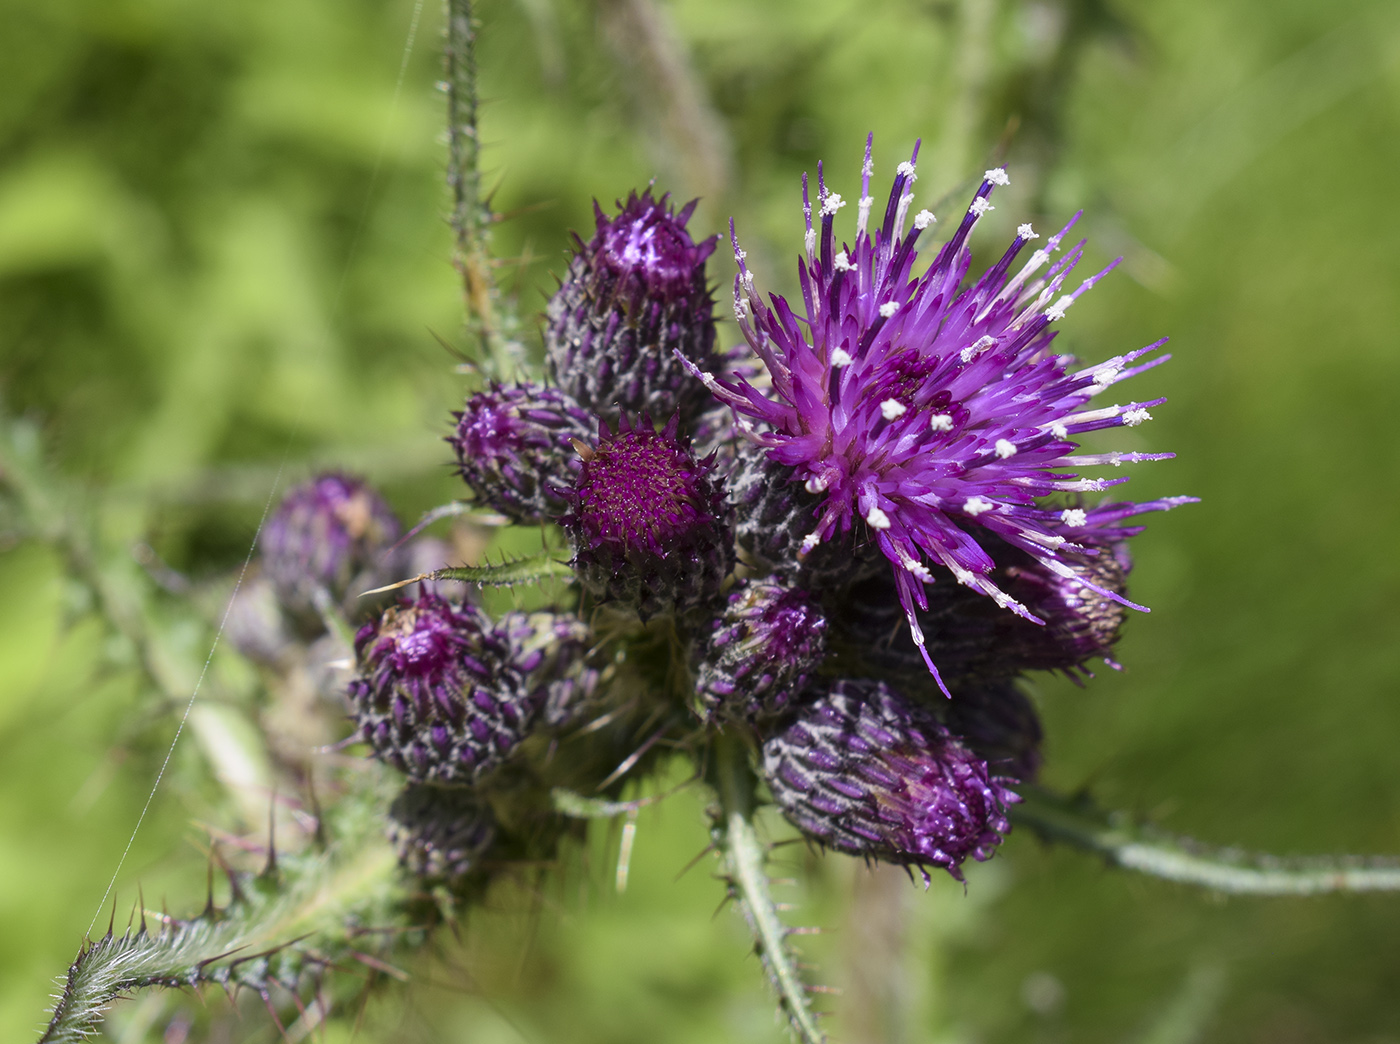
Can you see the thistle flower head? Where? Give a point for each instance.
(648, 520)
(513, 448)
(769, 640)
(325, 534)
(437, 693)
(920, 405)
(866, 771)
(633, 304)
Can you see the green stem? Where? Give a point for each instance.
(1134, 846)
(488, 318)
(744, 856)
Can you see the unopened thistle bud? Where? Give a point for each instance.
(865, 771)
(513, 446)
(999, 722)
(635, 293)
(550, 649)
(441, 833)
(437, 693)
(648, 521)
(330, 534)
(770, 639)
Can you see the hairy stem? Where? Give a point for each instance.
(489, 319)
(1134, 846)
(744, 856)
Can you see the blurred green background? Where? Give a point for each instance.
(224, 261)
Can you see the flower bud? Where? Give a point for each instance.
(756, 662)
(634, 294)
(867, 772)
(513, 446)
(550, 649)
(998, 721)
(437, 693)
(648, 521)
(333, 534)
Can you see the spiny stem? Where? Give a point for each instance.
(744, 856)
(489, 318)
(1134, 846)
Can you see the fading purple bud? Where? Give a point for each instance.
(441, 833)
(437, 693)
(648, 521)
(514, 451)
(550, 649)
(635, 293)
(867, 772)
(755, 664)
(332, 533)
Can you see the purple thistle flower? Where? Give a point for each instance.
(633, 305)
(769, 640)
(921, 406)
(513, 448)
(327, 534)
(867, 772)
(437, 693)
(648, 521)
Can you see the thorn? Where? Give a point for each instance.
(833, 990)
(270, 868)
(395, 587)
(699, 856)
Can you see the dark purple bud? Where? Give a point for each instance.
(774, 513)
(634, 294)
(441, 833)
(648, 521)
(459, 703)
(972, 639)
(332, 533)
(999, 722)
(514, 449)
(756, 662)
(870, 773)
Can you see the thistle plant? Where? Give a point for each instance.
(817, 569)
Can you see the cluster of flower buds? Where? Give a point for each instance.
(847, 538)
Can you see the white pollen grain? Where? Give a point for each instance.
(975, 506)
(1005, 448)
(997, 176)
(1026, 232)
(907, 170)
(842, 262)
(940, 422)
(832, 204)
(840, 357)
(1059, 431)
(1107, 376)
(1059, 308)
(809, 240)
(810, 541)
(1135, 417)
(1074, 517)
(980, 206)
(877, 519)
(889, 308)
(923, 219)
(892, 408)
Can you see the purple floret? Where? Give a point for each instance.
(923, 405)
